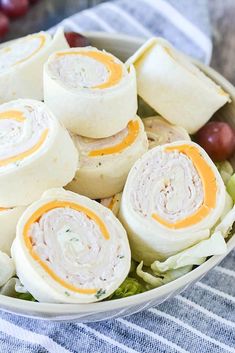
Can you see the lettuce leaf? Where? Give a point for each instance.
(231, 187)
(14, 288)
(226, 170)
(25, 296)
(130, 286)
(194, 255)
(227, 222)
(157, 279)
(228, 205)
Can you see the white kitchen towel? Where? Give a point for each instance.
(185, 23)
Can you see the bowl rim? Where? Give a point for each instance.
(19, 306)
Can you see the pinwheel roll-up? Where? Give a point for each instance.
(159, 131)
(8, 220)
(36, 152)
(173, 86)
(90, 91)
(21, 64)
(173, 196)
(105, 163)
(70, 249)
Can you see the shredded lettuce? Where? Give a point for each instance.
(14, 288)
(156, 279)
(226, 170)
(228, 205)
(148, 277)
(144, 110)
(25, 296)
(231, 187)
(134, 264)
(178, 265)
(9, 288)
(22, 293)
(194, 255)
(226, 224)
(130, 286)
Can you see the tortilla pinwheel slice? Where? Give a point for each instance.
(174, 87)
(8, 220)
(36, 152)
(70, 249)
(173, 196)
(159, 131)
(105, 163)
(21, 64)
(90, 91)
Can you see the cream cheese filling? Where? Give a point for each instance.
(77, 71)
(19, 51)
(169, 187)
(19, 137)
(72, 246)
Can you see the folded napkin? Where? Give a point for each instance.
(202, 318)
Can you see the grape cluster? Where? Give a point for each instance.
(11, 9)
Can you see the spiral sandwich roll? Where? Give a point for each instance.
(159, 131)
(173, 196)
(21, 64)
(105, 163)
(8, 220)
(36, 152)
(90, 91)
(174, 87)
(70, 249)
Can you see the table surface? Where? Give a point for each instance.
(46, 13)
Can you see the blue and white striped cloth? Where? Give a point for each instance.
(201, 319)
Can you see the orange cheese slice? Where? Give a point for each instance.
(115, 69)
(12, 114)
(209, 187)
(133, 131)
(27, 153)
(36, 217)
(111, 203)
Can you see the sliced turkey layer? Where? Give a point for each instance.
(159, 131)
(105, 163)
(36, 152)
(21, 64)
(90, 91)
(70, 249)
(173, 196)
(174, 87)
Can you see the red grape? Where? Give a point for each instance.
(76, 40)
(4, 24)
(218, 140)
(14, 8)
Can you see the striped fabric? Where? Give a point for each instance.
(201, 319)
(186, 27)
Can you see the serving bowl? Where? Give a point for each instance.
(124, 46)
